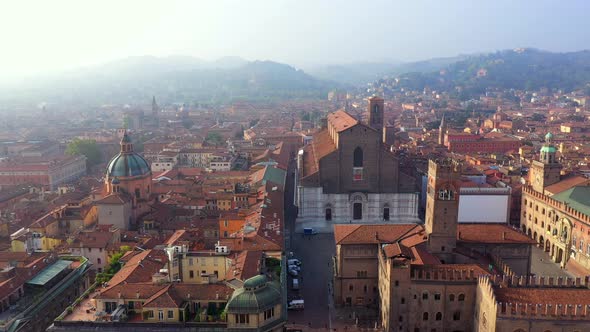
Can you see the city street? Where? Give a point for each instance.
(315, 253)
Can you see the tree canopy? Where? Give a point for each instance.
(214, 138)
(85, 147)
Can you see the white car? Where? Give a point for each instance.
(294, 261)
(295, 267)
(293, 272)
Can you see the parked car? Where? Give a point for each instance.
(295, 267)
(293, 272)
(309, 231)
(296, 305)
(293, 261)
(295, 283)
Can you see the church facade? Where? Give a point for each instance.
(127, 188)
(348, 174)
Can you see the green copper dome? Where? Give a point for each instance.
(548, 149)
(549, 136)
(256, 295)
(127, 163)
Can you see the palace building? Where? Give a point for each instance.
(556, 210)
(347, 173)
(450, 276)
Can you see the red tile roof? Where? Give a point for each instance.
(543, 295)
(321, 146)
(491, 233)
(163, 299)
(566, 184)
(341, 120)
(366, 234)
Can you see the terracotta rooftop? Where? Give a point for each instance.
(367, 234)
(341, 120)
(321, 146)
(543, 295)
(491, 233)
(114, 199)
(139, 268)
(96, 239)
(393, 250)
(163, 299)
(566, 184)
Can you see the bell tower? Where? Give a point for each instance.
(375, 111)
(442, 206)
(547, 170)
(441, 131)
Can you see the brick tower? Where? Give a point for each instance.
(442, 207)
(375, 111)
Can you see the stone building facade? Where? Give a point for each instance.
(347, 173)
(556, 211)
(426, 277)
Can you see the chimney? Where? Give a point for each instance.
(503, 235)
(137, 295)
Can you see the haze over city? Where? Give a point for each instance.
(57, 35)
(295, 166)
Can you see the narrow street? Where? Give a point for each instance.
(315, 252)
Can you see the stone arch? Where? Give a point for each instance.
(358, 204)
(535, 235)
(529, 233)
(565, 230)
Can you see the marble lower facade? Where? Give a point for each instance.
(356, 207)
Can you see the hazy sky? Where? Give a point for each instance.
(40, 36)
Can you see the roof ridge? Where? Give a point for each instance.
(356, 228)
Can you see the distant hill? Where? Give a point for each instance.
(357, 74)
(522, 69)
(360, 73)
(174, 79)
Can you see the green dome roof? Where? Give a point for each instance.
(256, 295)
(548, 149)
(549, 136)
(127, 164)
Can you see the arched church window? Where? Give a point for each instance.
(358, 157)
(376, 109)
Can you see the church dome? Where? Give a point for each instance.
(127, 163)
(548, 149)
(256, 295)
(549, 136)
